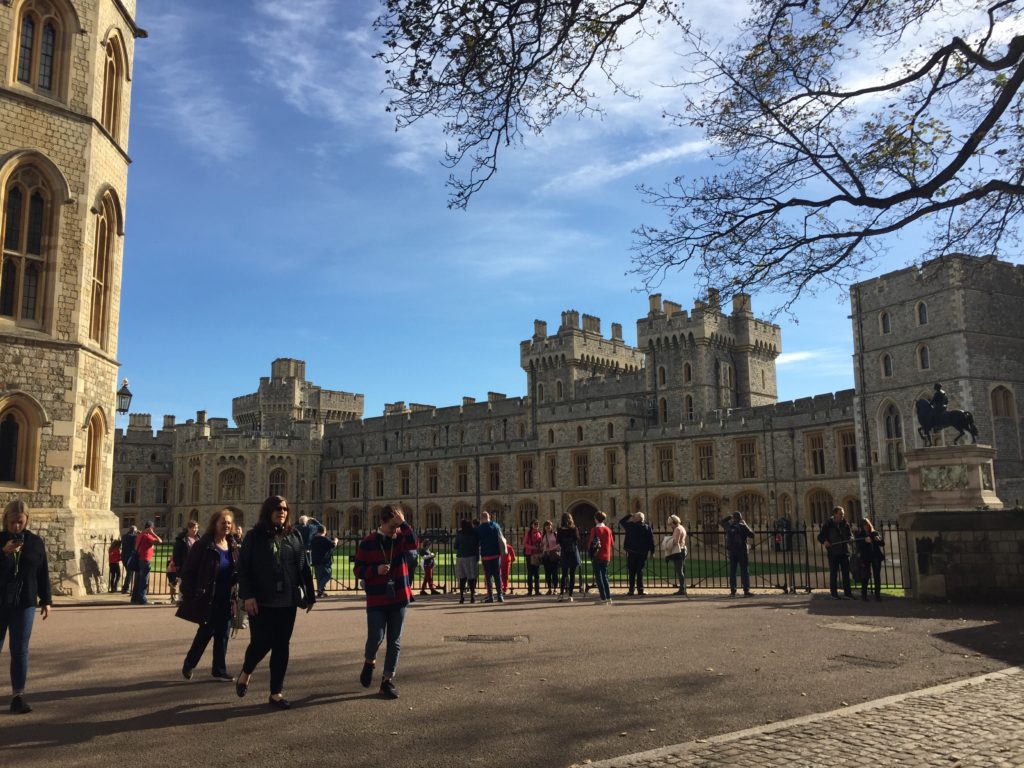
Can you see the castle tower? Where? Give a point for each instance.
(704, 360)
(65, 66)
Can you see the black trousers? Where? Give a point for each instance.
(836, 563)
(270, 631)
(635, 564)
(876, 573)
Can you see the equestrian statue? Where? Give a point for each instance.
(932, 416)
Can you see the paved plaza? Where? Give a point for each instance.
(798, 680)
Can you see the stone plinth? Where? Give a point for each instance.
(956, 477)
(963, 544)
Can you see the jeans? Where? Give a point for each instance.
(217, 629)
(679, 563)
(380, 621)
(635, 564)
(115, 577)
(323, 576)
(739, 559)
(601, 577)
(550, 573)
(270, 630)
(568, 578)
(840, 561)
(141, 588)
(876, 573)
(129, 577)
(19, 622)
(492, 570)
(532, 577)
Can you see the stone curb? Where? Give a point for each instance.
(662, 753)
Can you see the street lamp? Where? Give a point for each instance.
(124, 398)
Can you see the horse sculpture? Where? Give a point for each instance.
(962, 421)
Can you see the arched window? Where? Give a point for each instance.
(181, 493)
(886, 366)
(893, 438)
(40, 47)
(753, 507)
(231, 485)
(611, 430)
(922, 313)
(579, 434)
(885, 323)
(551, 437)
(194, 495)
(662, 411)
(1002, 403)
(785, 507)
(558, 390)
(278, 482)
(113, 75)
(820, 504)
(687, 373)
(20, 424)
(688, 401)
(923, 358)
(103, 252)
(540, 393)
(26, 247)
(854, 511)
(661, 375)
(433, 517)
(93, 451)
(527, 513)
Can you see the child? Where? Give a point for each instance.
(172, 579)
(427, 557)
(114, 565)
(506, 568)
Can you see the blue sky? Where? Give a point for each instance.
(274, 212)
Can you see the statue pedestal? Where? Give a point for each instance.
(963, 544)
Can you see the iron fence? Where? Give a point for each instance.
(784, 560)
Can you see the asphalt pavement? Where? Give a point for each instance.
(531, 682)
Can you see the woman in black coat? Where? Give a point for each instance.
(870, 550)
(209, 583)
(274, 580)
(24, 583)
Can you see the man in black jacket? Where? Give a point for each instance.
(836, 536)
(129, 559)
(736, 534)
(638, 545)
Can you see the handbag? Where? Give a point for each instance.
(536, 559)
(595, 547)
(858, 569)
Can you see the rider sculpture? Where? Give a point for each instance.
(932, 416)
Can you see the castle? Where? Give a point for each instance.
(686, 422)
(65, 93)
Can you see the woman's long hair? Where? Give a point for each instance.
(865, 525)
(567, 521)
(215, 518)
(268, 509)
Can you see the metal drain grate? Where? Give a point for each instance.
(486, 638)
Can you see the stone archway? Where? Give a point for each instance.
(583, 514)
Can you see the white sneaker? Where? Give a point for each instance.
(570, 598)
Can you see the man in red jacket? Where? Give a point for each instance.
(600, 544)
(144, 545)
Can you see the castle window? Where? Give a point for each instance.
(19, 442)
(820, 503)
(885, 323)
(378, 482)
(551, 437)
(231, 485)
(579, 434)
(706, 461)
(181, 493)
(848, 450)
(113, 75)
(101, 270)
(611, 430)
(922, 313)
(689, 407)
(462, 477)
(355, 484)
(611, 463)
(666, 464)
(1002, 403)
(558, 390)
(527, 513)
(893, 439)
(661, 376)
(332, 485)
(162, 491)
(131, 490)
(526, 472)
(278, 484)
(194, 496)
(687, 373)
(405, 481)
(26, 247)
(815, 447)
(540, 393)
(552, 471)
(663, 411)
(93, 450)
(494, 475)
(40, 46)
(432, 479)
(747, 450)
(581, 469)
(752, 507)
(887, 366)
(923, 358)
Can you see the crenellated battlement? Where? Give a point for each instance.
(577, 346)
(668, 324)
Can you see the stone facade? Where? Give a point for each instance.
(63, 185)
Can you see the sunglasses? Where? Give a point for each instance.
(283, 509)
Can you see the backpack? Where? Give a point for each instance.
(595, 546)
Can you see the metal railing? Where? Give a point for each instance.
(783, 560)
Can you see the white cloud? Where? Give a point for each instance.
(190, 101)
(789, 358)
(596, 174)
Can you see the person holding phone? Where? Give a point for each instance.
(382, 565)
(24, 584)
(274, 581)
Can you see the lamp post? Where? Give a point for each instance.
(124, 398)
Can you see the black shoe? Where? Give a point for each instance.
(748, 594)
(366, 676)
(20, 707)
(222, 676)
(472, 598)
(281, 703)
(488, 599)
(387, 690)
(412, 599)
(242, 688)
(462, 599)
(186, 671)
